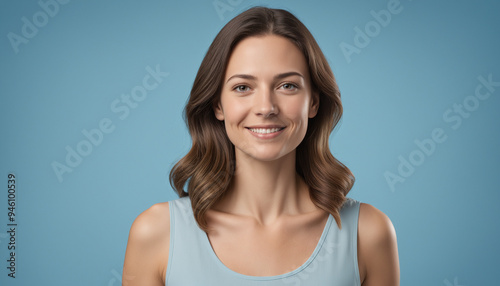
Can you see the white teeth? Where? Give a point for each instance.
(265, 130)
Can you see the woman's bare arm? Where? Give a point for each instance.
(147, 248)
(377, 248)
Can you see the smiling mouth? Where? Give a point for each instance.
(266, 130)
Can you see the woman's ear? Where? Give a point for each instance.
(219, 114)
(313, 108)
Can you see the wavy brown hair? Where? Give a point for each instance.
(208, 167)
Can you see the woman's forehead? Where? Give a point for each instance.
(266, 56)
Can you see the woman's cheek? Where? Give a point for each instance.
(297, 110)
(238, 111)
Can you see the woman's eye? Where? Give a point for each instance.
(241, 88)
(289, 86)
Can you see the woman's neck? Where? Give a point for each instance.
(266, 190)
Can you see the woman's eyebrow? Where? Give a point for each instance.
(287, 74)
(276, 77)
(244, 76)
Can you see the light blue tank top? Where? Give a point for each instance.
(192, 261)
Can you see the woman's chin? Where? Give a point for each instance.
(266, 155)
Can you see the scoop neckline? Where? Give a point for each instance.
(217, 260)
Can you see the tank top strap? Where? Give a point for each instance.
(342, 244)
(187, 252)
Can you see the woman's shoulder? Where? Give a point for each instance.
(377, 246)
(148, 246)
(152, 222)
(374, 226)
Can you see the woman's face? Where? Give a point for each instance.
(266, 98)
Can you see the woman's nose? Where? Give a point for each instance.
(264, 104)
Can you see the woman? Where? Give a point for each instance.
(266, 200)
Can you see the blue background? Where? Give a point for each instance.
(396, 90)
